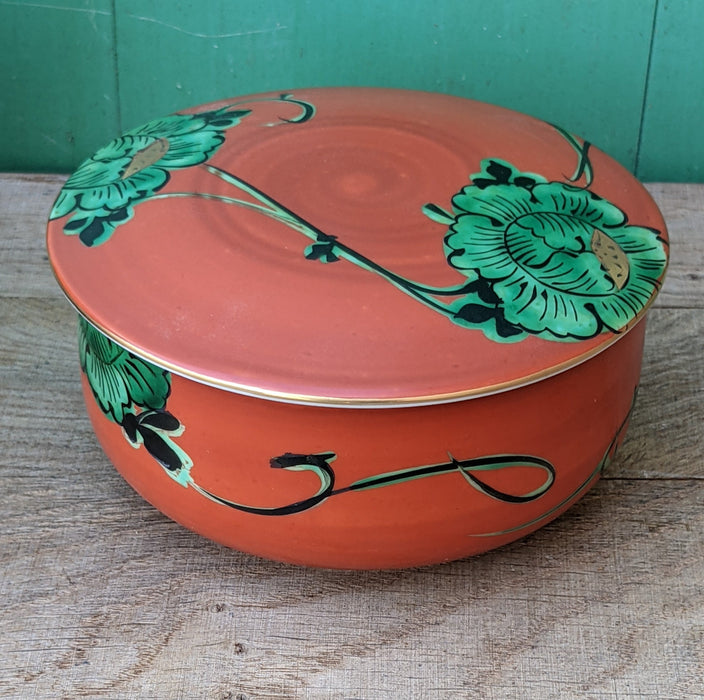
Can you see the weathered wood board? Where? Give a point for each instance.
(103, 597)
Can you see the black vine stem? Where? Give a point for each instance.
(320, 465)
(319, 236)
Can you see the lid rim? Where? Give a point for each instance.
(363, 402)
(513, 289)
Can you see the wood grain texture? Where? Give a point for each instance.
(682, 207)
(25, 203)
(606, 602)
(103, 597)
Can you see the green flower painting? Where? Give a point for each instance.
(543, 258)
(101, 194)
(562, 262)
(132, 393)
(118, 379)
(548, 259)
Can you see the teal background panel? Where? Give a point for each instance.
(58, 86)
(625, 75)
(672, 145)
(581, 64)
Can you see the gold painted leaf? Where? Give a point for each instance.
(611, 256)
(147, 156)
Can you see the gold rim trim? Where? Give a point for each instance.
(363, 402)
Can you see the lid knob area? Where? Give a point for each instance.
(357, 246)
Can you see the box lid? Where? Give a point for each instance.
(357, 246)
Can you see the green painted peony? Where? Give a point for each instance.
(118, 379)
(556, 260)
(101, 194)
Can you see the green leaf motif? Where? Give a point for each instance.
(156, 430)
(562, 262)
(481, 308)
(118, 379)
(325, 252)
(102, 192)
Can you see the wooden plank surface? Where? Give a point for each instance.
(103, 597)
(682, 207)
(604, 603)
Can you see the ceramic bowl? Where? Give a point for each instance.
(358, 328)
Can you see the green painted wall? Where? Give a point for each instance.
(672, 143)
(624, 74)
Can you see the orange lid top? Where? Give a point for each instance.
(357, 247)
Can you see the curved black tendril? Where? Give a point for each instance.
(308, 109)
(298, 462)
(320, 464)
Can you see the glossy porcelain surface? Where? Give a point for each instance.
(357, 246)
(375, 488)
(358, 327)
